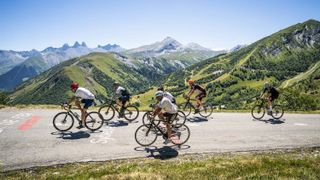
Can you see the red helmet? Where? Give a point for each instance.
(74, 85)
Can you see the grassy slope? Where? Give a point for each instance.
(294, 164)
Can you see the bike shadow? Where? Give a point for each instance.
(163, 153)
(271, 121)
(118, 123)
(72, 135)
(197, 119)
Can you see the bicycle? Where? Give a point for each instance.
(63, 121)
(147, 134)
(108, 110)
(259, 110)
(204, 111)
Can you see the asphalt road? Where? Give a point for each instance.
(28, 138)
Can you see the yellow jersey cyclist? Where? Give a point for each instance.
(81, 96)
(165, 110)
(122, 95)
(201, 93)
(272, 94)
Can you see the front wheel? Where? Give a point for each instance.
(107, 112)
(206, 111)
(131, 113)
(94, 121)
(186, 108)
(181, 134)
(145, 135)
(63, 121)
(257, 112)
(179, 119)
(277, 112)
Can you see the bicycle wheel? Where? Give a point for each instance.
(181, 134)
(146, 119)
(180, 118)
(131, 113)
(107, 112)
(63, 121)
(206, 111)
(186, 108)
(257, 112)
(94, 121)
(277, 112)
(145, 135)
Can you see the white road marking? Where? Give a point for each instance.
(300, 124)
(1, 130)
(192, 124)
(104, 137)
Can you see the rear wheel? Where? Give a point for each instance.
(107, 112)
(277, 112)
(206, 111)
(145, 135)
(257, 112)
(94, 121)
(181, 134)
(131, 113)
(186, 108)
(63, 121)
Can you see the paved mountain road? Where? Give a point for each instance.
(28, 138)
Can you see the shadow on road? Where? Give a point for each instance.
(118, 123)
(271, 121)
(163, 153)
(197, 119)
(72, 135)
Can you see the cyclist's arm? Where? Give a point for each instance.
(156, 111)
(190, 92)
(73, 98)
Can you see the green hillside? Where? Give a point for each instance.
(233, 79)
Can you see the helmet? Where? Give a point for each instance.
(190, 82)
(158, 94)
(116, 83)
(266, 85)
(160, 89)
(74, 85)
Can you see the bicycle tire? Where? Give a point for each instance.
(107, 112)
(259, 110)
(93, 118)
(180, 118)
(277, 109)
(55, 119)
(146, 119)
(186, 108)
(145, 131)
(129, 114)
(206, 111)
(178, 131)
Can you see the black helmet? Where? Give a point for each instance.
(160, 88)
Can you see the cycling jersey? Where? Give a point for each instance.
(197, 87)
(84, 93)
(273, 91)
(167, 106)
(169, 96)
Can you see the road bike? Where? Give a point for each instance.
(108, 110)
(147, 134)
(63, 121)
(261, 106)
(205, 110)
(179, 119)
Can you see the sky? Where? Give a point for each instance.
(215, 24)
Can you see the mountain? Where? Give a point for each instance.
(22, 72)
(237, 47)
(96, 71)
(165, 56)
(13, 62)
(289, 59)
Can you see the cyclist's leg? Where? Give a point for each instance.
(78, 104)
(87, 104)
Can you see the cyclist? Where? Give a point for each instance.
(123, 96)
(165, 110)
(84, 96)
(167, 95)
(272, 94)
(202, 93)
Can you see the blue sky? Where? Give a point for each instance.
(216, 24)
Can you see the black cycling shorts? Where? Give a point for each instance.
(201, 95)
(168, 117)
(87, 103)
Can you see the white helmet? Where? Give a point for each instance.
(158, 93)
